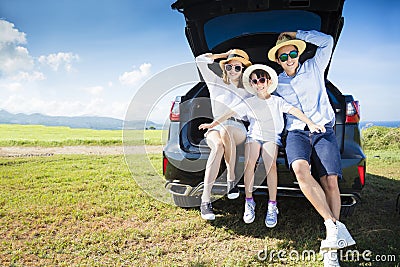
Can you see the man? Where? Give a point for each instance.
(303, 86)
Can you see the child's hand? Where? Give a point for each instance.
(205, 126)
(316, 128)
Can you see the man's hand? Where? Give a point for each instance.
(290, 34)
(314, 128)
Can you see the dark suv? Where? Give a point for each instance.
(254, 25)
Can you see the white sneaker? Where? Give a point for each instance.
(337, 236)
(249, 211)
(331, 258)
(344, 237)
(271, 219)
(331, 241)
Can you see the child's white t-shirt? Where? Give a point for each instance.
(265, 117)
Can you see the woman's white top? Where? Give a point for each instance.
(223, 96)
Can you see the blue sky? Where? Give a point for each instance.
(70, 57)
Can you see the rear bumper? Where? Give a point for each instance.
(187, 169)
(349, 200)
(184, 174)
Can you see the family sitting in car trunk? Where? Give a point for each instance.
(256, 94)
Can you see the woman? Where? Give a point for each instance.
(225, 92)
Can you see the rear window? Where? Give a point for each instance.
(226, 27)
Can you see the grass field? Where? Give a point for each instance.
(88, 210)
(78, 210)
(39, 135)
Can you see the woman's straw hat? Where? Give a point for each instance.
(238, 55)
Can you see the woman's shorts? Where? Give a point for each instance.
(228, 122)
(320, 148)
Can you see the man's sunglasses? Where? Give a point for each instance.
(237, 68)
(260, 80)
(292, 54)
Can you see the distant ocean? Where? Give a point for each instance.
(392, 124)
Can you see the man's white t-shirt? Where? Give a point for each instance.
(265, 117)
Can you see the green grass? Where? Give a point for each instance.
(381, 138)
(49, 136)
(89, 211)
(37, 135)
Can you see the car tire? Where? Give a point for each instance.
(187, 201)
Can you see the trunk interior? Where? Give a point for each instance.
(195, 109)
(251, 25)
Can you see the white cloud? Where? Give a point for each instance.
(94, 90)
(13, 57)
(12, 87)
(9, 34)
(133, 77)
(29, 77)
(59, 60)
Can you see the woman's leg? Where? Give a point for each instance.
(269, 153)
(231, 136)
(213, 163)
(251, 154)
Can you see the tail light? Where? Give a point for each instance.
(174, 114)
(352, 112)
(165, 163)
(361, 173)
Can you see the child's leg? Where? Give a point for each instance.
(269, 153)
(251, 152)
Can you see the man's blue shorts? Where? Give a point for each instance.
(321, 148)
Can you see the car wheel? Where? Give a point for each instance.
(187, 201)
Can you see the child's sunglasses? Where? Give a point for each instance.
(237, 68)
(260, 80)
(292, 54)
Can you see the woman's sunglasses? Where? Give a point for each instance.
(260, 80)
(292, 54)
(237, 68)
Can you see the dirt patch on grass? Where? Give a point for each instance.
(70, 150)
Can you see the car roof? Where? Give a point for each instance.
(207, 22)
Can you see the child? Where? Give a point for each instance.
(265, 114)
